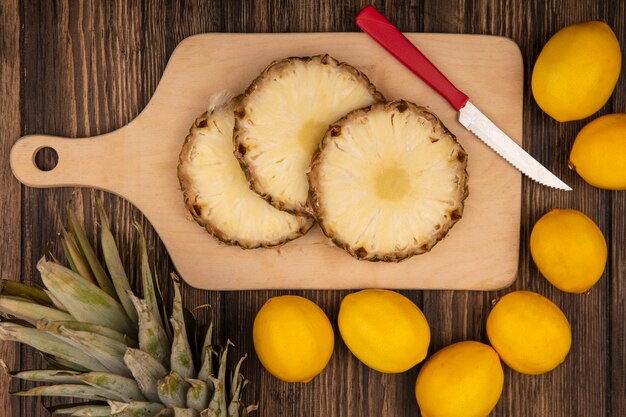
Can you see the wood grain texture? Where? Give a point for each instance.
(580, 387)
(616, 323)
(87, 68)
(9, 188)
(139, 162)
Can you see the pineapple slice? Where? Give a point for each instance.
(216, 191)
(284, 115)
(388, 182)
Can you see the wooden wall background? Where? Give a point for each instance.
(80, 68)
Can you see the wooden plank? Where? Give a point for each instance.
(616, 331)
(139, 160)
(10, 229)
(551, 142)
(462, 315)
(50, 102)
(616, 378)
(616, 326)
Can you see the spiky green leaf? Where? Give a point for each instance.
(69, 409)
(49, 375)
(29, 311)
(206, 368)
(236, 378)
(146, 370)
(49, 344)
(83, 300)
(18, 289)
(172, 390)
(152, 337)
(198, 394)
(108, 352)
(76, 229)
(56, 303)
(185, 412)
(219, 403)
(75, 257)
(54, 362)
(114, 264)
(181, 358)
(134, 409)
(150, 294)
(124, 389)
(97, 329)
(66, 390)
(235, 401)
(92, 411)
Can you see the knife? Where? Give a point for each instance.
(389, 37)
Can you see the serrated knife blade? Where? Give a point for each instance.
(484, 129)
(389, 37)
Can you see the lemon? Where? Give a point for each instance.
(599, 152)
(576, 71)
(461, 380)
(529, 332)
(384, 330)
(293, 338)
(569, 250)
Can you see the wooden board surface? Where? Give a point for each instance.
(81, 68)
(138, 162)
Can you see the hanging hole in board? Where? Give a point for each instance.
(46, 158)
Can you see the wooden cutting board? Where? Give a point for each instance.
(138, 162)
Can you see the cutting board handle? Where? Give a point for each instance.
(90, 162)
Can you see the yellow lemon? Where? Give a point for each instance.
(384, 330)
(569, 250)
(529, 332)
(599, 152)
(461, 380)
(577, 70)
(293, 338)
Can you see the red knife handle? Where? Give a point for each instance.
(386, 34)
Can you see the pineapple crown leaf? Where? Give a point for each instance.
(79, 409)
(30, 291)
(80, 237)
(104, 344)
(114, 264)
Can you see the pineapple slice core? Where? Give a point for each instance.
(388, 182)
(283, 118)
(217, 192)
(392, 183)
